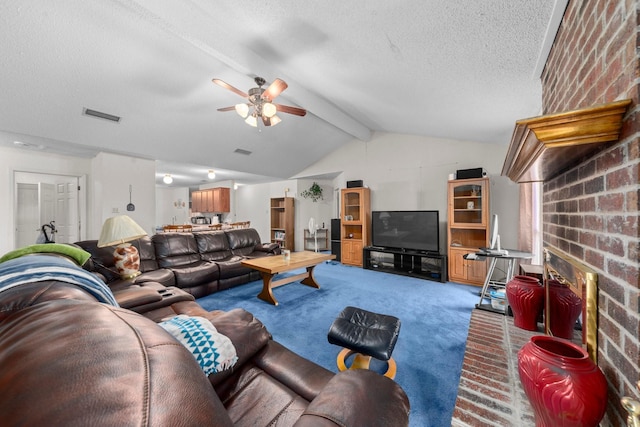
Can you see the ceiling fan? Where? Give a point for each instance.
(260, 102)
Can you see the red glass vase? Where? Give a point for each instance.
(565, 387)
(526, 299)
(564, 309)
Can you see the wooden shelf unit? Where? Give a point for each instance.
(467, 228)
(355, 224)
(282, 222)
(310, 240)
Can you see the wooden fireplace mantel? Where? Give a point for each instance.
(542, 147)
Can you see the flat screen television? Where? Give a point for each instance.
(412, 230)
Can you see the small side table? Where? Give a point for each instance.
(512, 257)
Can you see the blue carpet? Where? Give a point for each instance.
(430, 348)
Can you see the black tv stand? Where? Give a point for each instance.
(424, 265)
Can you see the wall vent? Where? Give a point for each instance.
(241, 151)
(101, 115)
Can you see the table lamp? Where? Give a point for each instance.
(120, 230)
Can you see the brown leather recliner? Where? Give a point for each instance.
(214, 246)
(66, 359)
(179, 253)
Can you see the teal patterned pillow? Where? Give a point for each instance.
(213, 351)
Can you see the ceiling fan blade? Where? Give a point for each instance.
(231, 88)
(266, 121)
(232, 108)
(275, 89)
(291, 110)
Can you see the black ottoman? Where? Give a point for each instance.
(368, 335)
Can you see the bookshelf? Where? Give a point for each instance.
(282, 222)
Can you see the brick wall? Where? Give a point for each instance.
(591, 211)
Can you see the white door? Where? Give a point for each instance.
(42, 198)
(47, 205)
(67, 212)
(27, 215)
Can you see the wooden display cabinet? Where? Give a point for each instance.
(282, 222)
(467, 228)
(355, 224)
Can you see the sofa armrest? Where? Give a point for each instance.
(268, 247)
(358, 398)
(134, 296)
(247, 334)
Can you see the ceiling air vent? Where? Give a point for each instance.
(241, 151)
(101, 115)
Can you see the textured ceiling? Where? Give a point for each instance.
(451, 69)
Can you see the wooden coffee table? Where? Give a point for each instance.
(269, 266)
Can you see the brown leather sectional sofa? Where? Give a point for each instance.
(199, 263)
(67, 359)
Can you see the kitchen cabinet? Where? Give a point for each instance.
(214, 200)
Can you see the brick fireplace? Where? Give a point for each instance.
(590, 211)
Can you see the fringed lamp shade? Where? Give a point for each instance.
(120, 230)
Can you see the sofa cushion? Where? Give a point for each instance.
(147, 253)
(232, 267)
(195, 274)
(175, 249)
(213, 245)
(243, 241)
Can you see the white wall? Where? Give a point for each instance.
(112, 175)
(169, 206)
(407, 172)
(20, 160)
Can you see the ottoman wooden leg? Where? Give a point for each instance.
(361, 361)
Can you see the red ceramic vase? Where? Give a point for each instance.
(564, 386)
(564, 309)
(526, 299)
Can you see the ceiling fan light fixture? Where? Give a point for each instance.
(167, 179)
(260, 102)
(211, 174)
(274, 120)
(251, 121)
(269, 110)
(242, 110)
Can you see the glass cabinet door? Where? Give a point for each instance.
(468, 204)
(351, 206)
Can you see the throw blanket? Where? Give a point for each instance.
(213, 351)
(40, 268)
(78, 254)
